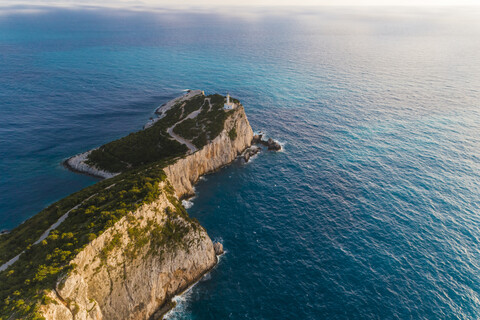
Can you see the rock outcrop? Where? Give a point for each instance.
(78, 163)
(131, 270)
(270, 143)
(128, 272)
(184, 173)
(218, 248)
(250, 152)
(273, 145)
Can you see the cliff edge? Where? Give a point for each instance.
(184, 173)
(135, 267)
(126, 245)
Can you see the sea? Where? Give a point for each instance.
(370, 211)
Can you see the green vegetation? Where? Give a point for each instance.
(28, 232)
(145, 146)
(140, 148)
(155, 144)
(232, 133)
(23, 285)
(141, 156)
(207, 125)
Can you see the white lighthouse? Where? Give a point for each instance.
(228, 105)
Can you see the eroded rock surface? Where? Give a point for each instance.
(130, 271)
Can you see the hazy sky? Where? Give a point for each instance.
(200, 3)
(318, 2)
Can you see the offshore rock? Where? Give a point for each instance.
(270, 143)
(257, 138)
(184, 173)
(218, 247)
(273, 145)
(118, 285)
(250, 152)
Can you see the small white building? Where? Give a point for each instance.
(228, 105)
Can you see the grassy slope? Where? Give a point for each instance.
(207, 125)
(141, 156)
(145, 146)
(22, 285)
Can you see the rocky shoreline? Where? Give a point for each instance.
(78, 164)
(170, 304)
(270, 143)
(150, 296)
(257, 139)
(133, 246)
(182, 174)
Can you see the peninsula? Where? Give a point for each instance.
(123, 247)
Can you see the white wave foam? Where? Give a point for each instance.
(252, 158)
(182, 301)
(180, 311)
(282, 144)
(187, 203)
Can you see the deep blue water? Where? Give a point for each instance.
(372, 209)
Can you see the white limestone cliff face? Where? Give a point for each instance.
(108, 282)
(184, 173)
(122, 274)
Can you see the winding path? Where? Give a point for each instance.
(192, 115)
(190, 146)
(44, 235)
(209, 104)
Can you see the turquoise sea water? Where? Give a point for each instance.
(372, 209)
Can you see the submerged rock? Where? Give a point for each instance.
(273, 145)
(257, 138)
(218, 247)
(270, 143)
(250, 152)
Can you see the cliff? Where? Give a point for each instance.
(120, 287)
(128, 245)
(131, 270)
(184, 173)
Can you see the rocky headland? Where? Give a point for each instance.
(124, 247)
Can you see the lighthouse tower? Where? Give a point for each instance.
(228, 105)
